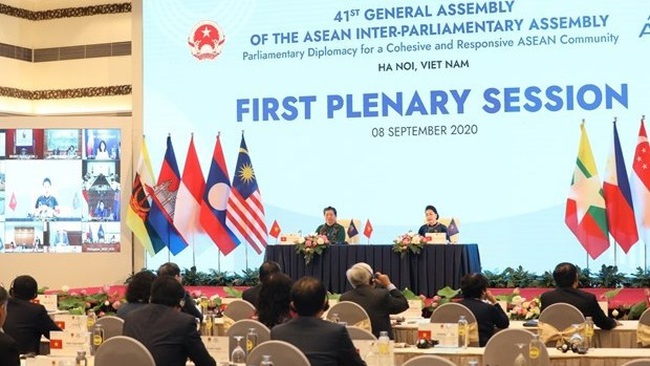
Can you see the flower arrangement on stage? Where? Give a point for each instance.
(311, 245)
(409, 242)
(103, 302)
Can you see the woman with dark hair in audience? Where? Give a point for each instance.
(137, 293)
(273, 303)
(9, 352)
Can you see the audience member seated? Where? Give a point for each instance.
(324, 343)
(266, 269)
(566, 280)
(26, 322)
(9, 351)
(273, 306)
(137, 293)
(483, 305)
(172, 269)
(169, 334)
(378, 301)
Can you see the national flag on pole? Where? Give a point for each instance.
(352, 229)
(188, 198)
(367, 230)
(13, 202)
(585, 207)
(640, 183)
(215, 201)
(275, 229)
(452, 229)
(164, 193)
(245, 214)
(140, 205)
(618, 198)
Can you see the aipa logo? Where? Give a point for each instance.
(646, 29)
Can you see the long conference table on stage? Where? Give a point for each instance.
(435, 267)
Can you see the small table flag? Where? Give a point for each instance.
(275, 229)
(367, 230)
(352, 229)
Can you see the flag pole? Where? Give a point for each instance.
(193, 251)
(246, 255)
(645, 245)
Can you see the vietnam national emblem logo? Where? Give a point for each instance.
(206, 40)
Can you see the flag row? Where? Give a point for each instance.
(620, 207)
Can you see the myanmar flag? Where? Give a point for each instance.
(585, 208)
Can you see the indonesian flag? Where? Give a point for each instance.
(367, 230)
(640, 183)
(585, 207)
(275, 229)
(188, 199)
(618, 198)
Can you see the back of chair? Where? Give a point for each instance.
(428, 360)
(645, 317)
(562, 316)
(639, 362)
(501, 349)
(242, 327)
(351, 313)
(123, 351)
(282, 353)
(643, 329)
(450, 312)
(112, 326)
(239, 309)
(360, 334)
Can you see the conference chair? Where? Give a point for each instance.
(357, 333)
(123, 351)
(639, 362)
(282, 353)
(428, 360)
(112, 326)
(351, 313)
(501, 348)
(643, 329)
(241, 328)
(239, 309)
(557, 321)
(450, 312)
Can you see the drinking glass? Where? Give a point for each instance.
(238, 356)
(520, 360)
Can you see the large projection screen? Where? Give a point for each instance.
(380, 108)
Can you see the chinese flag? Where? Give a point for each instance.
(13, 203)
(367, 230)
(275, 229)
(56, 344)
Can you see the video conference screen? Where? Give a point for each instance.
(60, 190)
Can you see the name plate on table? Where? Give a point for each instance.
(414, 310)
(49, 360)
(67, 343)
(217, 347)
(48, 301)
(289, 239)
(72, 323)
(445, 333)
(436, 238)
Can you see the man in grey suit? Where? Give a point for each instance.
(378, 301)
(169, 334)
(324, 343)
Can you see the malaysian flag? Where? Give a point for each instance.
(245, 212)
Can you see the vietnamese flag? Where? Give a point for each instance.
(367, 230)
(56, 344)
(275, 229)
(60, 324)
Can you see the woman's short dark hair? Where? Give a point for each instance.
(166, 290)
(473, 285)
(432, 208)
(308, 296)
(24, 288)
(274, 299)
(139, 289)
(329, 208)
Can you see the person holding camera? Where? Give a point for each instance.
(376, 295)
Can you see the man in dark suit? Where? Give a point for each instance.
(483, 305)
(324, 343)
(189, 307)
(252, 294)
(9, 352)
(27, 322)
(566, 280)
(379, 302)
(169, 334)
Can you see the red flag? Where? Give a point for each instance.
(13, 202)
(618, 198)
(188, 198)
(214, 203)
(640, 183)
(56, 344)
(367, 230)
(275, 229)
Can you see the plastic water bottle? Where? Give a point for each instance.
(383, 350)
(266, 360)
(463, 332)
(251, 340)
(535, 351)
(92, 318)
(589, 331)
(97, 337)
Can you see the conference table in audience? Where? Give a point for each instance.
(435, 267)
